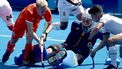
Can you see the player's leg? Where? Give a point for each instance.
(64, 15)
(18, 32)
(119, 41)
(62, 25)
(108, 60)
(71, 56)
(78, 12)
(37, 53)
(34, 56)
(56, 54)
(10, 48)
(116, 39)
(28, 48)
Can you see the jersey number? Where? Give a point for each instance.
(8, 17)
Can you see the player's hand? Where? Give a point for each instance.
(111, 40)
(44, 36)
(41, 42)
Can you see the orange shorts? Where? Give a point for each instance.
(20, 28)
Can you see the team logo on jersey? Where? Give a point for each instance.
(8, 18)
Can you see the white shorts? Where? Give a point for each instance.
(6, 13)
(65, 9)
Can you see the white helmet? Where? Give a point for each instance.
(86, 14)
(87, 19)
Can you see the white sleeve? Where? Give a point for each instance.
(105, 18)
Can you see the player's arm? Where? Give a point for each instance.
(46, 30)
(95, 30)
(93, 33)
(31, 33)
(102, 43)
(48, 25)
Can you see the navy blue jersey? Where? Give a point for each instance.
(78, 45)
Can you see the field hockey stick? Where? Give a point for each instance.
(42, 49)
(42, 56)
(93, 63)
(91, 47)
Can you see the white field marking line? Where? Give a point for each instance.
(48, 38)
(5, 36)
(99, 43)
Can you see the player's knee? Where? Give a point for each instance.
(13, 41)
(110, 43)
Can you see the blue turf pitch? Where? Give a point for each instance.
(54, 37)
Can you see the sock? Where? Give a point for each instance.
(28, 48)
(113, 55)
(56, 26)
(10, 47)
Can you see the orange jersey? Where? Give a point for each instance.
(30, 13)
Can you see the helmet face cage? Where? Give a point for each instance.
(86, 24)
(87, 19)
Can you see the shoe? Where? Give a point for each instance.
(6, 56)
(108, 61)
(111, 67)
